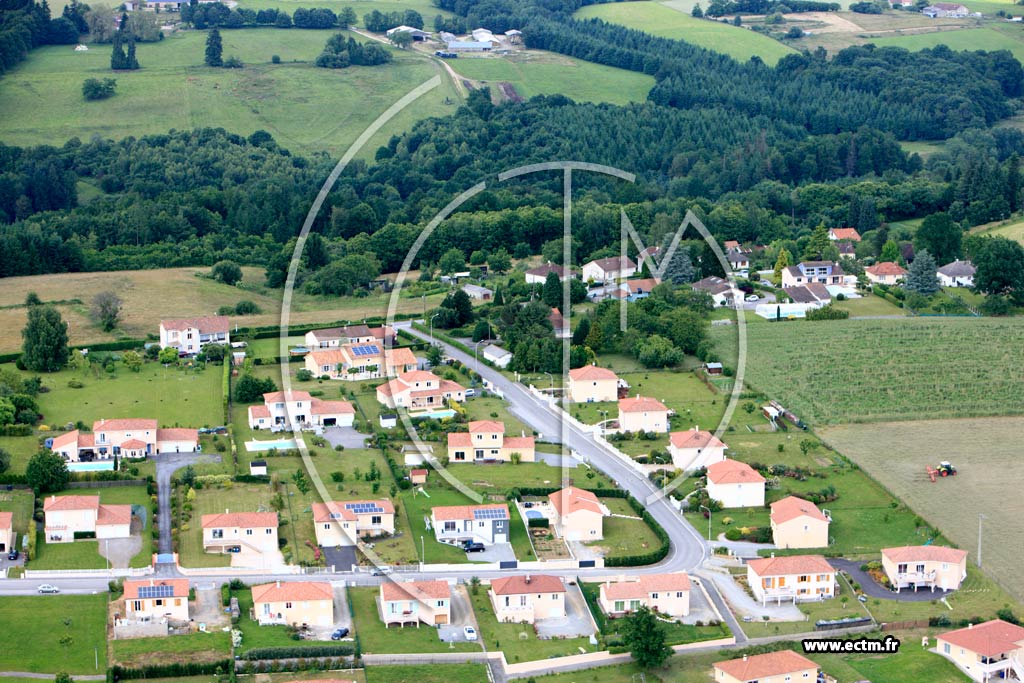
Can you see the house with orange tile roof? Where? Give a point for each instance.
(245, 533)
(8, 540)
(791, 578)
(735, 484)
(360, 361)
(798, 523)
(695, 448)
(335, 337)
(925, 566)
(486, 442)
(190, 335)
(642, 414)
(667, 594)
(456, 524)
(634, 290)
(294, 603)
(415, 602)
(885, 273)
(339, 523)
(578, 515)
(84, 517)
(419, 391)
(990, 651)
(525, 599)
(783, 666)
(298, 410)
(844, 235)
(126, 438)
(155, 600)
(590, 383)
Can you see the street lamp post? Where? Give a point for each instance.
(703, 507)
(432, 327)
(476, 358)
(551, 380)
(423, 551)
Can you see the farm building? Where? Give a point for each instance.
(469, 46)
(477, 292)
(417, 34)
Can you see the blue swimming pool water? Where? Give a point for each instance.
(437, 415)
(96, 466)
(280, 444)
(534, 514)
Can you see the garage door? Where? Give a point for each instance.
(555, 612)
(330, 421)
(440, 619)
(500, 538)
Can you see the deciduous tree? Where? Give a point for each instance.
(45, 340)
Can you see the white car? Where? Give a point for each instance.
(469, 632)
(753, 297)
(47, 588)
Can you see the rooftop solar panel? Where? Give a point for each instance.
(161, 591)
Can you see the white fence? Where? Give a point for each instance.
(87, 573)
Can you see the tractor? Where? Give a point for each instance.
(946, 469)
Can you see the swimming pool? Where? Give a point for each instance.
(95, 466)
(534, 514)
(280, 444)
(437, 415)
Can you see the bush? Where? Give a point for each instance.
(95, 89)
(233, 62)
(276, 59)
(341, 650)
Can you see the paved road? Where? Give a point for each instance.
(689, 549)
(167, 465)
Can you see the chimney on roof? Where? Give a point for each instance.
(744, 658)
(279, 583)
(527, 579)
(773, 556)
(970, 626)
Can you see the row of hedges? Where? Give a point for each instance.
(16, 430)
(118, 673)
(521, 491)
(225, 389)
(340, 650)
(643, 559)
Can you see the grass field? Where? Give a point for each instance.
(869, 305)
(1012, 229)
(305, 108)
(374, 637)
(196, 647)
(43, 622)
(890, 369)
(546, 73)
(986, 453)
(21, 503)
(21, 448)
(965, 39)
(150, 295)
(661, 20)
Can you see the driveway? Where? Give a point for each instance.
(556, 460)
(872, 589)
(499, 552)
(744, 605)
(209, 610)
(340, 557)
(577, 620)
(462, 615)
(700, 608)
(166, 465)
(120, 551)
(345, 436)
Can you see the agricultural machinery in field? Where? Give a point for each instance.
(788, 415)
(945, 469)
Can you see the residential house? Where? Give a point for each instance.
(885, 273)
(415, 602)
(559, 324)
(814, 294)
(343, 523)
(419, 390)
(639, 289)
(735, 484)
(127, 438)
(945, 10)
(667, 594)
(738, 260)
(844, 235)
(539, 275)
(69, 517)
(477, 292)
(455, 524)
(798, 523)
(497, 355)
(823, 272)
(335, 337)
(8, 541)
(990, 651)
(294, 603)
(486, 442)
(417, 34)
(642, 414)
(648, 257)
(695, 448)
(591, 383)
(721, 291)
(731, 245)
(902, 3)
(357, 361)
(155, 599)
(957, 274)
(258, 468)
(925, 566)
(609, 269)
(250, 533)
(527, 599)
(297, 410)
(578, 514)
(847, 250)
(190, 335)
(783, 666)
(796, 578)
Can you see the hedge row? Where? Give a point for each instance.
(225, 390)
(16, 430)
(341, 650)
(643, 559)
(252, 478)
(118, 673)
(548, 490)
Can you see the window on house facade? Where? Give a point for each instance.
(248, 532)
(287, 605)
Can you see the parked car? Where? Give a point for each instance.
(13, 555)
(381, 571)
(753, 297)
(471, 547)
(767, 283)
(339, 633)
(470, 392)
(469, 632)
(47, 588)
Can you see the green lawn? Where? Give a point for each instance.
(256, 636)
(35, 627)
(21, 448)
(271, 347)
(625, 536)
(546, 73)
(197, 647)
(660, 20)
(418, 508)
(375, 638)
(869, 305)
(519, 642)
(965, 39)
(21, 503)
(924, 149)
(305, 108)
(172, 396)
(432, 673)
(1012, 229)
(499, 478)
(86, 554)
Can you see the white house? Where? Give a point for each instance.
(455, 524)
(419, 390)
(591, 383)
(334, 337)
(784, 666)
(527, 599)
(126, 437)
(735, 484)
(66, 516)
(822, 272)
(189, 335)
(695, 448)
(721, 292)
(990, 651)
(360, 361)
(667, 594)
(297, 410)
(946, 9)
(642, 414)
(539, 275)
(791, 578)
(339, 523)
(609, 269)
(497, 355)
(957, 274)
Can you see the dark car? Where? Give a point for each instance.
(339, 633)
(471, 547)
(13, 555)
